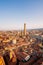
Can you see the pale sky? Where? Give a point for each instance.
(14, 13)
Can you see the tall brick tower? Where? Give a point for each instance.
(24, 28)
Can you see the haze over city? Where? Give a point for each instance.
(14, 13)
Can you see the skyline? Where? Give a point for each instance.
(14, 13)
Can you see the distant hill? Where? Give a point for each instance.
(41, 29)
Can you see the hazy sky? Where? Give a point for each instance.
(14, 13)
